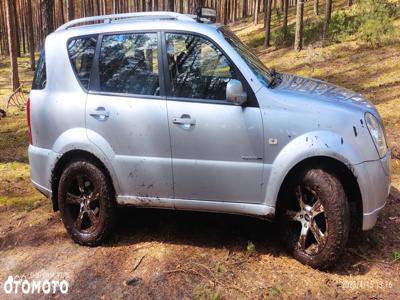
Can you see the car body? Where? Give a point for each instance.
(188, 153)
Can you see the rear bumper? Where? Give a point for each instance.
(41, 162)
(374, 181)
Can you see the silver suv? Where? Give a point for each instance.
(165, 111)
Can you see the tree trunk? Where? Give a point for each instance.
(234, 8)
(148, 5)
(30, 35)
(285, 16)
(349, 3)
(328, 11)
(48, 13)
(70, 10)
(316, 4)
(62, 12)
(12, 45)
(245, 12)
(298, 40)
(170, 6)
(16, 24)
(181, 6)
(196, 4)
(268, 23)
(256, 12)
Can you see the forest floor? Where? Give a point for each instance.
(167, 254)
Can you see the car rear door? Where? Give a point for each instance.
(217, 147)
(126, 113)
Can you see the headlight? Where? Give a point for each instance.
(377, 134)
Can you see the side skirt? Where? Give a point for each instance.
(255, 210)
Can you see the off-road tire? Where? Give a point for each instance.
(326, 187)
(106, 202)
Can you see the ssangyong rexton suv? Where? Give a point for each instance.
(162, 110)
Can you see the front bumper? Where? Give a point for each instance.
(374, 181)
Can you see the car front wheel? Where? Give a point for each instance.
(314, 217)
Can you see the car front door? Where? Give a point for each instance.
(217, 147)
(126, 113)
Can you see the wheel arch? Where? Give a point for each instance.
(64, 160)
(344, 174)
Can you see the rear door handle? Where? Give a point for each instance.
(100, 114)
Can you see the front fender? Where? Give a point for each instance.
(313, 144)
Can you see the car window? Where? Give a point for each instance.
(129, 64)
(81, 52)
(197, 68)
(39, 80)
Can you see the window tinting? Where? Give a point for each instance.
(198, 69)
(129, 64)
(39, 80)
(81, 53)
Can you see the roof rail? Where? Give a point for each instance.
(141, 15)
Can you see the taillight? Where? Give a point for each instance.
(28, 115)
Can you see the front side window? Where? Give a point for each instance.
(81, 53)
(197, 68)
(261, 71)
(129, 64)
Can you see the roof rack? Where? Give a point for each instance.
(141, 15)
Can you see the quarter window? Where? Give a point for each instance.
(129, 64)
(197, 68)
(39, 80)
(81, 52)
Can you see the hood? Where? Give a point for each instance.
(323, 90)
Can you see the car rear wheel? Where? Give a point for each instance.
(86, 202)
(314, 217)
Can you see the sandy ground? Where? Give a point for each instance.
(159, 254)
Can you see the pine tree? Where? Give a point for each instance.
(268, 11)
(298, 40)
(12, 43)
(327, 18)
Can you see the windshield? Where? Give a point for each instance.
(263, 74)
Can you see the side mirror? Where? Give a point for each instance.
(235, 93)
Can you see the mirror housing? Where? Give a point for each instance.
(235, 93)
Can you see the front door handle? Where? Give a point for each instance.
(100, 114)
(185, 120)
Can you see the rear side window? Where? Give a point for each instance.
(129, 64)
(81, 53)
(39, 80)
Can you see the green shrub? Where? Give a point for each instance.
(283, 38)
(376, 19)
(250, 249)
(343, 23)
(312, 31)
(256, 40)
(202, 292)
